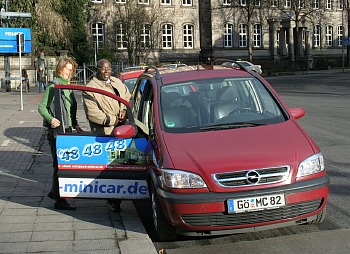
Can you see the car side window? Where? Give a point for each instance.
(143, 103)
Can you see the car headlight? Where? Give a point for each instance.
(311, 165)
(181, 179)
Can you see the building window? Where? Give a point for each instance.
(228, 36)
(143, 1)
(167, 36)
(188, 36)
(227, 2)
(96, 1)
(274, 3)
(340, 4)
(328, 4)
(242, 35)
(243, 2)
(329, 36)
(120, 1)
(257, 36)
(121, 40)
(187, 2)
(166, 2)
(317, 36)
(340, 35)
(301, 4)
(316, 4)
(287, 4)
(98, 35)
(146, 36)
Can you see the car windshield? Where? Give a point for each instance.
(220, 103)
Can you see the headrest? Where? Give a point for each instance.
(173, 99)
(227, 93)
(205, 87)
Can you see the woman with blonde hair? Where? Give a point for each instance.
(65, 70)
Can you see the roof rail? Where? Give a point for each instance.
(155, 69)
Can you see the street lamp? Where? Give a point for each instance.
(95, 53)
(343, 33)
(307, 33)
(133, 44)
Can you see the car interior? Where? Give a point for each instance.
(198, 104)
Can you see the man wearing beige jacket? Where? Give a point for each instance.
(103, 112)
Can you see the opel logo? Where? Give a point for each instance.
(252, 177)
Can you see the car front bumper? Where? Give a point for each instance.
(208, 213)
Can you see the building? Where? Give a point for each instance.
(147, 30)
(193, 30)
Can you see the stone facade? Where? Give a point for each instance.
(281, 37)
(176, 15)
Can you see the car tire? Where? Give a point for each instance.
(163, 230)
(320, 217)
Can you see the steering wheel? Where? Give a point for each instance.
(241, 110)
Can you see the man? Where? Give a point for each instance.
(25, 80)
(103, 112)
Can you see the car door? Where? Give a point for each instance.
(101, 166)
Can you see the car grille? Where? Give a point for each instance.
(252, 177)
(222, 219)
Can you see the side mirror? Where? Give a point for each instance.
(297, 113)
(125, 131)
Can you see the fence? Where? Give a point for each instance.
(86, 72)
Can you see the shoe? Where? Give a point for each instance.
(50, 195)
(62, 204)
(115, 207)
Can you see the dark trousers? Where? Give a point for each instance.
(55, 192)
(51, 136)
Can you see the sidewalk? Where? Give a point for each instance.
(28, 222)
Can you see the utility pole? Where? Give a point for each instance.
(343, 31)
(348, 23)
(6, 57)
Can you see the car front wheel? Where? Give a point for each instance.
(163, 230)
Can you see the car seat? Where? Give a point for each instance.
(177, 112)
(226, 102)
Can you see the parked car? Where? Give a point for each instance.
(252, 67)
(215, 149)
(135, 68)
(173, 66)
(129, 78)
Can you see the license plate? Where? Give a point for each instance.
(255, 203)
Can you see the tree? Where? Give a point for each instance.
(77, 14)
(55, 24)
(138, 24)
(248, 10)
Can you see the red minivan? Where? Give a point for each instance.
(215, 149)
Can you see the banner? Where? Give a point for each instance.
(8, 40)
(102, 166)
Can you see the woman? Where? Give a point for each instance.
(65, 69)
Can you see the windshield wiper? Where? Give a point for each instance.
(230, 126)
